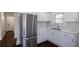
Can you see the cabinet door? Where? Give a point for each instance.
(42, 35)
(61, 38)
(39, 38)
(54, 36)
(65, 40)
(69, 40)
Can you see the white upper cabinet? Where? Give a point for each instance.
(43, 16)
(70, 16)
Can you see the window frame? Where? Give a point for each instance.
(59, 18)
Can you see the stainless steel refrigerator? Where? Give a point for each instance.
(28, 30)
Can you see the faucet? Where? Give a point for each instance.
(57, 26)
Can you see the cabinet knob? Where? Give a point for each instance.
(52, 33)
(65, 34)
(72, 40)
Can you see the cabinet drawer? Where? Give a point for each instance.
(62, 38)
(66, 40)
(69, 35)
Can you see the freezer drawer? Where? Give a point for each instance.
(30, 42)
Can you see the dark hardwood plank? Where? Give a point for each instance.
(47, 44)
(8, 40)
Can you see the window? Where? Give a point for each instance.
(59, 18)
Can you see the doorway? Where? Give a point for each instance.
(9, 23)
(8, 39)
(9, 32)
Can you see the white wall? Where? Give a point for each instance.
(70, 16)
(43, 16)
(9, 13)
(2, 25)
(52, 19)
(34, 13)
(17, 28)
(10, 22)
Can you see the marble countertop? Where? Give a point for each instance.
(70, 31)
(70, 28)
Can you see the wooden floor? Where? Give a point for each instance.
(8, 40)
(47, 44)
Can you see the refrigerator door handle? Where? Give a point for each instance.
(32, 37)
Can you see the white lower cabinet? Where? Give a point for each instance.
(62, 39)
(58, 37)
(42, 35)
